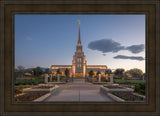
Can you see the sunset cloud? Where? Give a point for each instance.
(28, 38)
(129, 57)
(109, 45)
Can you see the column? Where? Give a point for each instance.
(111, 78)
(45, 78)
(99, 77)
(58, 77)
(50, 75)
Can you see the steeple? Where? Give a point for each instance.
(79, 37)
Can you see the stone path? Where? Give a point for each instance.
(79, 92)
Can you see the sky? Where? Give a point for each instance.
(117, 41)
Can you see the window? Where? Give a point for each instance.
(79, 59)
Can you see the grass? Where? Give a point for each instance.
(128, 81)
(29, 81)
(44, 87)
(18, 89)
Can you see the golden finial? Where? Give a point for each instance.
(79, 22)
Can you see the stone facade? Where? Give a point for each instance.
(79, 67)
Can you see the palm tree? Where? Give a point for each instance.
(58, 71)
(108, 71)
(119, 72)
(47, 71)
(91, 73)
(67, 72)
(37, 71)
(98, 72)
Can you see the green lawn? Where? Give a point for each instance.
(29, 81)
(128, 81)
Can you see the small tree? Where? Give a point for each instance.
(20, 70)
(91, 73)
(108, 71)
(37, 71)
(47, 71)
(58, 71)
(67, 72)
(98, 72)
(119, 72)
(135, 72)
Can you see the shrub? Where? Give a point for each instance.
(17, 91)
(105, 80)
(28, 81)
(140, 88)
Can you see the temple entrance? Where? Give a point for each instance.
(79, 74)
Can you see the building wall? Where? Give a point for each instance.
(62, 68)
(71, 68)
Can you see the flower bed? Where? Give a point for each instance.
(19, 89)
(128, 96)
(113, 87)
(30, 96)
(43, 87)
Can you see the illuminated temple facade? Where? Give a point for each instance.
(79, 67)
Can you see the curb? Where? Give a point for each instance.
(42, 98)
(106, 91)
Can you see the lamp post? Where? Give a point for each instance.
(31, 76)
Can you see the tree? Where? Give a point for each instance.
(119, 72)
(108, 71)
(91, 73)
(58, 71)
(20, 70)
(67, 72)
(15, 74)
(37, 71)
(98, 72)
(135, 72)
(47, 71)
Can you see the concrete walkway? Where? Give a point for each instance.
(79, 91)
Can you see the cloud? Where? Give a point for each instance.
(109, 45)
(135, 48)
(105, 45)
(28, 38)
(128, 57)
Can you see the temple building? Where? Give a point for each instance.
(79, 67)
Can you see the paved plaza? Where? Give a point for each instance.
(78, 91)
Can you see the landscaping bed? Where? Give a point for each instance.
(33, 93)
(120, 81)
(114, 87)
(30, 96)
(19, 89)
(43, 87)
(128, 96)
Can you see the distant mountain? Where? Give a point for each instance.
(42, 68)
